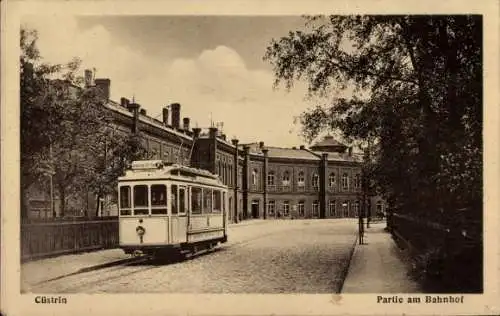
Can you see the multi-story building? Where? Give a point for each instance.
(265, 182)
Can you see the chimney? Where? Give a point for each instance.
(302, 147)
(196, 132)
(212, 132)
(223, 136)
(124, 102)
(103, 85)
(234, 141)
(165, 116)
(185, 123)
(88, 78)
(143, 111)
(294, 147)
(176, 115)
(261, 145)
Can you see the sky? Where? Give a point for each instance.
(211, 65)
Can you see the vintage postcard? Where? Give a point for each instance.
(249, 158)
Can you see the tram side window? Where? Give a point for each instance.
(182, 200)
(125, 200)
(158, 199)
(141, 203)
(207, 200)
(223, 201)
(173, 198)
(196, 200)
(217, 202)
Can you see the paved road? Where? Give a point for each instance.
(309, 256)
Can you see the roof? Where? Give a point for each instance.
(153, 169)
(336, 156)
(276, 152)
(328, 141)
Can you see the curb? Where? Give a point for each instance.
(240, 224)
(91, 268)
(345, 271)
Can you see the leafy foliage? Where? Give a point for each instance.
(416, 86)
(66, 131)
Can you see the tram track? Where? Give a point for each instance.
(91, 276)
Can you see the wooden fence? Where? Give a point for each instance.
(55, 237)
(451, 255)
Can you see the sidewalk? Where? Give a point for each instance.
(378, 266)
(34, 272)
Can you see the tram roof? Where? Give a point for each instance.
(152, 169)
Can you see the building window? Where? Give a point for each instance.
(345, 182)
(315, 180)
(301, 208)
(356, 208)
(357, 181)
(345, 209)
(300, 179)
(286, 178)
(286, 208)
(332, 208)
(271, 205)
(315, 209)
(254, 177)
(270, 178)
(331, 180)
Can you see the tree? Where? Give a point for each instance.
(416, 83)
(67, 133)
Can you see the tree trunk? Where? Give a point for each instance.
(24, 204)
(99, 196)
(62, 198)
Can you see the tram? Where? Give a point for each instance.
(170, 209)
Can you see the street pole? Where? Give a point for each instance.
(52, 209)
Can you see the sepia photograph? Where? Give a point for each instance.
(271, 155)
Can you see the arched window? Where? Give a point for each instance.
(345, 182)
(286, 178)
(331, 180)
(270, 178)
(315, 180)
(254, 177)
(357, 181)
(300, 179)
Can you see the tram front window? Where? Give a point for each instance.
(158, 199)
(125, 207)
(141, 200)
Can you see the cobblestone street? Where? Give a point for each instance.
(308, 256)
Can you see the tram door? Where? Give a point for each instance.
(179, 211)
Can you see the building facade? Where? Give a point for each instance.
(323, 181)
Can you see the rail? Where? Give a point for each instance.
(449, 254)
(47, 238)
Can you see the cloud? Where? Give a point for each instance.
(215, 84)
